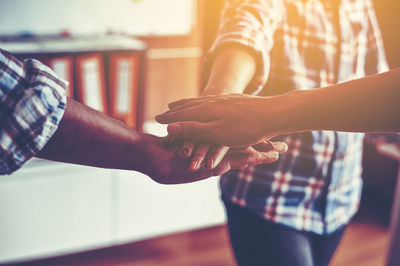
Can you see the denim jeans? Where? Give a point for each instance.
(257, 242)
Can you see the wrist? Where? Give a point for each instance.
(152, 150)
(294, 111)
(138, 152)
(282, 114)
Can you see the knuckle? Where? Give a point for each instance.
(274, 157)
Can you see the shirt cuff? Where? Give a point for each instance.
(37, 106)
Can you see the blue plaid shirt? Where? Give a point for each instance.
(32, 103)
(304, 45)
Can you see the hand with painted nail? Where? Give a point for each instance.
(167, 167)
(202, 154)
(261, 153)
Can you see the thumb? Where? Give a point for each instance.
(280, 147)
(176, 130)
(196, 131)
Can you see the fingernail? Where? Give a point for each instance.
(174, 129)
(184, 152)
(193, 165)
(210, 164)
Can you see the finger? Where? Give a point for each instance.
(251, 157)
(195, 131)
(257, 157)
(280, 147)
(187, 149)
(192, 101)
(215, 156)
(175, 104)
(198, 157)
(193, 104)
(265, 146)
(269, 157)
(191, 114)
(204, 103)
(240, 149)
(238, 160)
(222, 168)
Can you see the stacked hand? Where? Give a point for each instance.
(211, 124)
(167, 167)
(233, 120)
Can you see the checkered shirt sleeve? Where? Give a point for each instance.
(375, 61)
(251, 25)
(32, 103)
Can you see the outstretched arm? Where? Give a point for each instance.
(86, 136)
(38, 120)
(370, 104)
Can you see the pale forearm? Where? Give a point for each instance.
(370, 104)
(231, 72)
(89, 137)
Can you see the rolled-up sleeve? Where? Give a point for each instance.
(375, 57)
(32, 104)
(250, 24)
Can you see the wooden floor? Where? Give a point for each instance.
(362, 245)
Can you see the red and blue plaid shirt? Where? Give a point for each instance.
(32, 103)
(303, 44)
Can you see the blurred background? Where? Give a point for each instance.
(129, 58)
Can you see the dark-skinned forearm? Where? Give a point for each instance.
(86, 136)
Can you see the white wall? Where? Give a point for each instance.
(52, 209)
(57, 209)
(138, 17)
